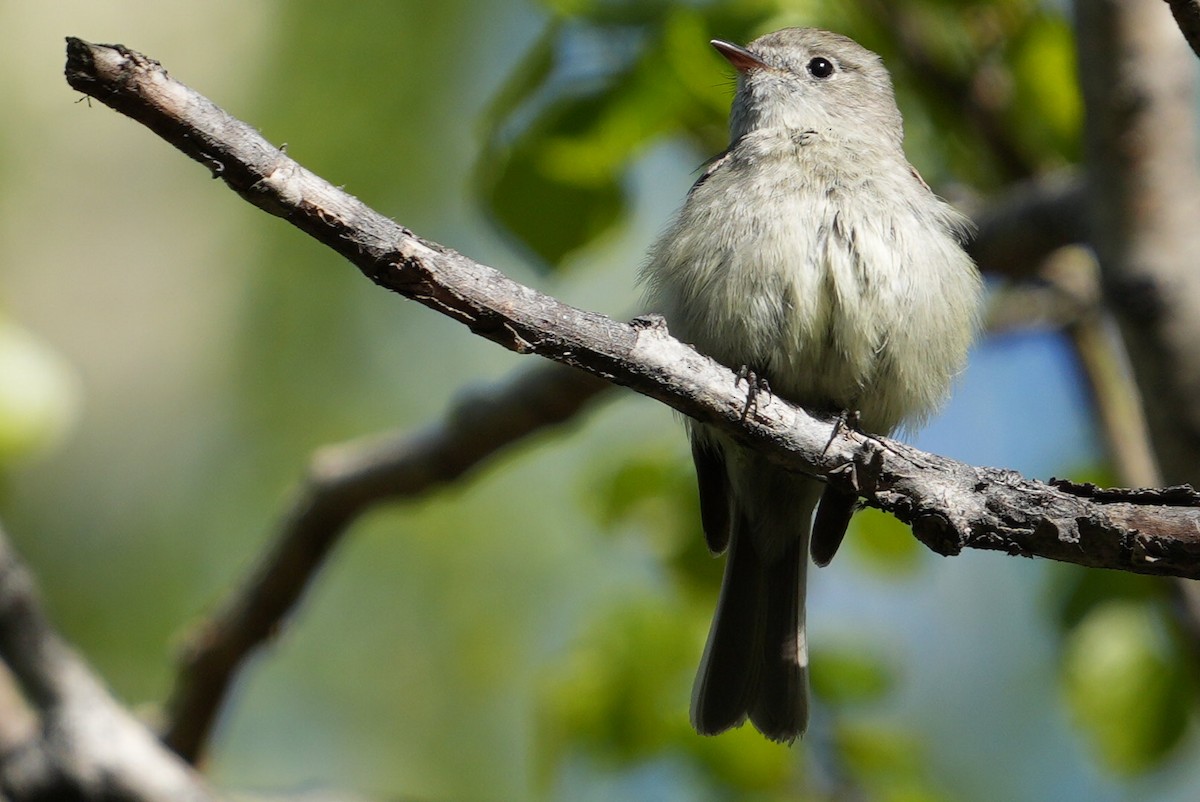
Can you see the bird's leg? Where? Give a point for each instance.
(846, 419)
(755, 384)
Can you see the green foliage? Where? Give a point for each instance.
(889, 765)
(1125, 688)
(621, 693)
(1125, 668)
(845, 676)
(1046, 110)
(973, 79)
(622, 696)
(655, 492)
(39, 394)
(1078, 592)
(596, 90)
(549, 194)
(883, 543)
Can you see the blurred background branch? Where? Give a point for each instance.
(1143, 202)
(344, 482)
(1141, 147)
(1187, 16)
(85, 745)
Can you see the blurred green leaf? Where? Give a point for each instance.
(623, 695)
(1046, 103)
(1079, 591)
(529, 76)
(657, 494)
(556, 182)
(888, 763)
(39, 394)
(638, 487)
(847, 676)
(1125, 691)
(623, 691)
(883, 543)
(743, 760)
(550, 214)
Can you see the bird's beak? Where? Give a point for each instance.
(741, 58)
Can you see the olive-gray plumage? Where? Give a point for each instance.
(812, 253)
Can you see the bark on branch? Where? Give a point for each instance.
(87, 746)
(950, 505)
(1187, 16)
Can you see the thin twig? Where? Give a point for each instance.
(1114, 395)
(343, 482)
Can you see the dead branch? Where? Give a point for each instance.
(950, 505)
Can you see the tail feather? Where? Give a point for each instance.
(728, 677)
(756, 660)
(779, 708)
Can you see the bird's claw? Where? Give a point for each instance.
(846, 419)
(755, 384)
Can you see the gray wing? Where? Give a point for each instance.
(711, 167)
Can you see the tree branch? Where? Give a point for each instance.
(1187, 17)
(87, 745)
(1028, 222)
(1144, 201)
(343, 482)
(1115, 400)
(950, 505)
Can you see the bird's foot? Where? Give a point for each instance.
(846, 419)
(755, 384)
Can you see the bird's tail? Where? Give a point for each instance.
(756, 660)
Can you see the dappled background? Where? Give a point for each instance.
(170, 358)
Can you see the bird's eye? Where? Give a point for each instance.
(820, 67)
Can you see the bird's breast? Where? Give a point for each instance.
(844, 290)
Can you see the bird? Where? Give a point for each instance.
(812, 256)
